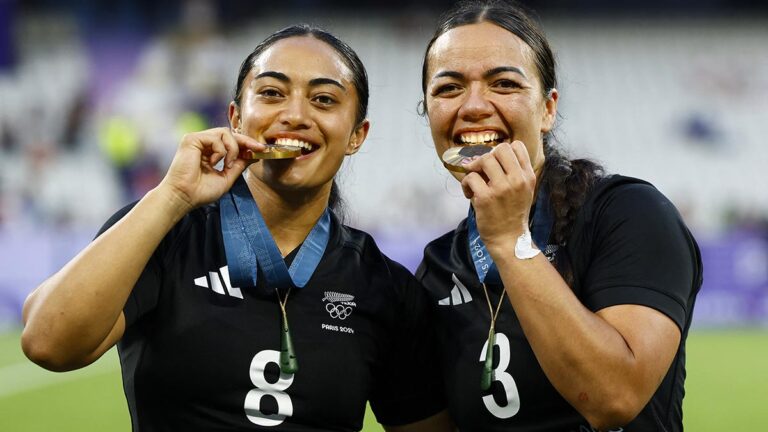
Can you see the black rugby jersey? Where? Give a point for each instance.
(199, 354)
(629, 246)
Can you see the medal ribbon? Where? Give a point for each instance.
(249, 245)
(541, 228)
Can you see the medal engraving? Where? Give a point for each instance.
(455, 157)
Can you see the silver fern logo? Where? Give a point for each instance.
(340, 305)
(550, 251)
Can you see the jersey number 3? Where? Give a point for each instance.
(500, 374)
(264, 388)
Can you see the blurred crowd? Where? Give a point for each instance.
(95, 99)
(88, 125)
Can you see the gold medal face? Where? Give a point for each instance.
(455, 157)
(274, 151)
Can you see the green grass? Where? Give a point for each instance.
(727, 384)
(727, 388)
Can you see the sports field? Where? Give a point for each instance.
(727, 389)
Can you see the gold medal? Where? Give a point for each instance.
(274, 151)
(455, 157)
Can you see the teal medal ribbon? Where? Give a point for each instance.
(541, 228)
(249, 246)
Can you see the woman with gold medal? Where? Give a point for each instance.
(564, 299)
(198, 281)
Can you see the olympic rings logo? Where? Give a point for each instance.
(338, 311)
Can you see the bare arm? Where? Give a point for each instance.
(606, 364)
(439, 422)
(75, 316)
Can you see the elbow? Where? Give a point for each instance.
(615, 414)
(42, 345)
(46, 353)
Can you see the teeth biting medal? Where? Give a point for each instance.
(282, 149)
(455, 157)
(471, 145)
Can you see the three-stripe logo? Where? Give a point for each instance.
(219, 284)
(459, 294)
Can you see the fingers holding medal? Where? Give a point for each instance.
(501, 184)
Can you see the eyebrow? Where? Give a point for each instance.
(500, 69)
(487, 74)
(313, 82)
(276, 75)
(449, 74)
(321, 81)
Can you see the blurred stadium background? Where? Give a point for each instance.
(95, 96)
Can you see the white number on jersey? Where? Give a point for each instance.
(264, 388)
(500, 374)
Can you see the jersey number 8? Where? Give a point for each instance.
(265, 388)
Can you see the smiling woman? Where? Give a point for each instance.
(586, 283)
(196, 282)
(290, 97)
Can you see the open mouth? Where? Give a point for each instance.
(305, 147)
(470, 146)
(487, 138)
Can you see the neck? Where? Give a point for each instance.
(289, 215)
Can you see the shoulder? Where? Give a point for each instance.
(203, 221)
(440, 248)
(363, 248)
(621, 194)
(623, 202)
(444, 255)
(619, 202)
(196, 216)
(442, 243)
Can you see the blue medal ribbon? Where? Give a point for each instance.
(249, 245)
(541, 228)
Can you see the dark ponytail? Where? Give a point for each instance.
(569, 182)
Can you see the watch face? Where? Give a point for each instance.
(455, 157)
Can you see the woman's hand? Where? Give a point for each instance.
(501, 185)
(192, 176)
(76, 315)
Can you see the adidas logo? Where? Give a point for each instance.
(219, 284)
(459, 294)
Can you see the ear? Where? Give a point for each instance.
(358, 137)
(234, 116)
(550, 111)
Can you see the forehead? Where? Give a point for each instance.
(303, 57)
(480, 47)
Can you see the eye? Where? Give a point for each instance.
(446, 89)
(324, 99)
(269, 93)
(506, 84)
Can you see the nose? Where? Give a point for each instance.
(475, 105)
(295, 114)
